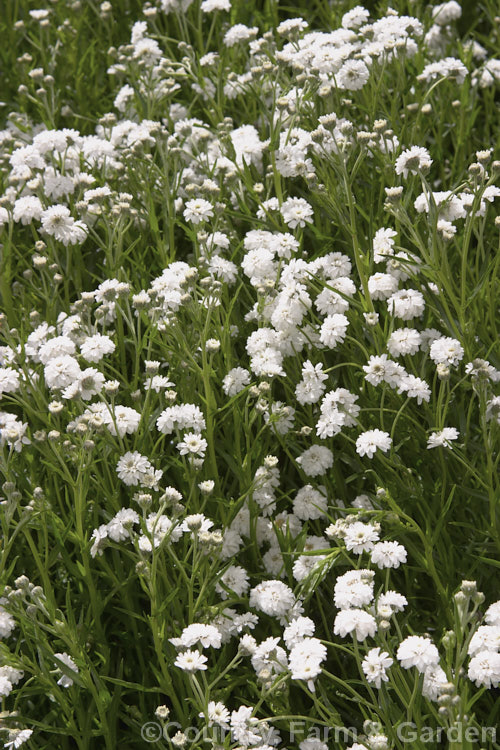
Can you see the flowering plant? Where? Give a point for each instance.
(248, 373)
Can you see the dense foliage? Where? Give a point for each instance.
(249, 373)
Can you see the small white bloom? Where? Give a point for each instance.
(388, 554)
(375, 666)
(193, 443)
(359, 537)
(442, 438)
(296, 212)
(316, 460)
(417, 651)
(191, 661)
(415, 159)
(371, 440)
(355, 621)
(484, 669)
(66, 681)
(198, 210)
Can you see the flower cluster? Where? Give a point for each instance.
(248, 373)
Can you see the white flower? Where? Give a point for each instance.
(193, 443)
(388, 554)
(159, 526)
(218, 714)
(58, 223)
(7, 623)
(383, 244)
(404, 341)
(450, 207)
(118, 529)
(231, 545)
(247, 145)
(352, 75)
(397, 602)
(442, 438)
(353, 19)
(415, 388)
(95, 347)
(234, 578)
(208, 6)
(316, 460)
(446, 350)
(297, 630)
(415, 159)
(380, 369)
(26, 209)
(196, 522)
(9, 380)
(123, 420)
(382, 285)
(99, 538)
(434, 680)
(157, 383)
(90, 382)
(241, 721)
(493, 409)
(191, 661)
(267, 363)
(371, 440)
(305, 563)
(296, 212)
(351, 591)
(311, 387)
(417, 651)
(181, 416)
(338, 409)
(272, 597)
(376, 742)
(4, 216)
(281, 417)
(18, 737)
(447, 67)
(12, 675)
(132, 467)
(333, 329)
(359, 537)
(305, 660)
(56, 347)
(375, 665)
(66, 681)
(61, 371)
(486, 638)
(239, 33)
(223, 269)
(484, 669)
(356, 621)
(444, 13)
(292, 26)
(310, 503)
(270, 656)
(198, 210)
(247, 644)
(492, 615)
(207, 635)
(312, 743)
(406, 304)
(5, 686)
(332, 300)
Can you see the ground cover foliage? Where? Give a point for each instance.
(249, 375)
